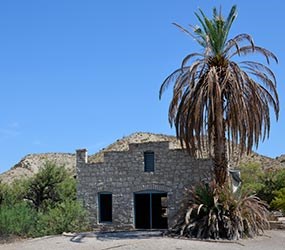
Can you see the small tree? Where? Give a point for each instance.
(43, 188)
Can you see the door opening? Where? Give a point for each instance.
(150, 210)
(105, 207)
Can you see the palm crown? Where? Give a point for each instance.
(216, 97)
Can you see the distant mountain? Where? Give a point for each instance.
(31, 163)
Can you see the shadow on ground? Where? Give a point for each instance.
(104, 236)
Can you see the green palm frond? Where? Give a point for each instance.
(214, 32)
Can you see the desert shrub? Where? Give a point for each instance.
(42, 205)
(251, 176)
(279, 200)
(43, 189)
(12, 193)
(264, 183)
(273, 181)
(67, 188)
(210, 211)
(68, 216)
(18, 219)
(3, 191)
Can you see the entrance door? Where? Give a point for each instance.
(150, 210)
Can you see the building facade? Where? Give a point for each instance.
(139, 186)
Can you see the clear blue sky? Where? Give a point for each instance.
(81, 74)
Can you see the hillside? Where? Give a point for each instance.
(265, 162)
(31, 163)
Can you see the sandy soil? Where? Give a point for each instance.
(274, 240)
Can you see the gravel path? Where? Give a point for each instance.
(273, 240)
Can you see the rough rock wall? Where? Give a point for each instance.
(122, 174)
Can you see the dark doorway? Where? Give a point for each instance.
(150, 210)
(105, 207)
(159, 211)
(142, 211)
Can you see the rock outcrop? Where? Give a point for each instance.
(31, 164)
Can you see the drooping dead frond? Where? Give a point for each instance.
(259, 50)
(219, 99)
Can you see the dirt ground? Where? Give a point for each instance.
(273, 240)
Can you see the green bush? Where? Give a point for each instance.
(264, 183)
(3, 192)
(13, 193)
(67, 189)
(251, 176)
(42, 205)
(68, 216)
(18, 219)
(43, 189)
(273, 180)
(279, 200)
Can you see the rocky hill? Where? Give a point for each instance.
(265, 162)
(31, 164)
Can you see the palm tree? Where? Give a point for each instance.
(216, 98)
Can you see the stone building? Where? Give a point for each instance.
(138, 182)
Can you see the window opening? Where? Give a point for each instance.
(149, 161)
(105, 207)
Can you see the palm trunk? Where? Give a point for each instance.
(220, 160)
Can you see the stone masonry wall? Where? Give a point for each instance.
(122, 174)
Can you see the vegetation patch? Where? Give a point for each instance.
(44, 204)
